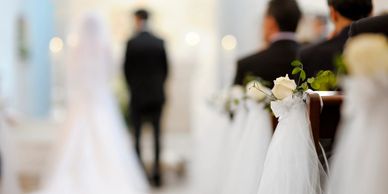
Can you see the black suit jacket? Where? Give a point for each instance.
(378, 24)
(146, 70)
(269, 64)
(322, 55)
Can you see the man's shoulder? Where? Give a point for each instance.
(377, 24)
(311, 49)
(323, 47)
(251, 59)
(145, 39)
(282, 49)
(157, 38)
(132, 40)
(149, 36)
(321, 55)
(264, 56)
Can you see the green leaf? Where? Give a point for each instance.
(310, 80)
(302, 75)
(305, 86)
(333, 80)
(296, 63)
(341, 68)
(316, 85)
(324, 80)
(296, 70)
(248, 78)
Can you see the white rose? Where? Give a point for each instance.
(256, 91)
(283, 87)
(367, 55)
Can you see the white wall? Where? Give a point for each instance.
(39, 15)
(7, 49)
(26, 85)
(380, 6)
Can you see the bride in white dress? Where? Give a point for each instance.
(95, 154)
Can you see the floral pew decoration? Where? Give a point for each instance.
(212, 149)
(247, 162)
(360, 158)
(231, 104)
(292, 165)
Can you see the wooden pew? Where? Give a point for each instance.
(324, 120)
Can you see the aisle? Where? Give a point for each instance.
(35, 139)
(174, 186)
(177, 162)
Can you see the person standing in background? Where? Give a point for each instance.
(280, 24)
(146, 70)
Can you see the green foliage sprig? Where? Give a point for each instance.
(298, 70)
(324, 80)
(340, 65)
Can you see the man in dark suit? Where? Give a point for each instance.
(280, 23)
(322, 56)
(378, 24)
(146, 72)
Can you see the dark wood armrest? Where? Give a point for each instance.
(324, 120)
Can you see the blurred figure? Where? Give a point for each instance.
(146, 71)
(322, 56)
(95, 154)
(280, 23)
(370, 25)
(312, 29)
(320, 28)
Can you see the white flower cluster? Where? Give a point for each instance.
(367, 55)
(283, 88)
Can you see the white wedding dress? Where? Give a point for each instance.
(292, 165)
(361, 157)
(95, 154)
(247, 164)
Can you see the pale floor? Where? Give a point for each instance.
(177, 152)
(177, 157)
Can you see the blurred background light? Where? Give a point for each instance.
(229, 42)
(56, 45)
(193, 39)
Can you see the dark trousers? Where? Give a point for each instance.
(151, 114)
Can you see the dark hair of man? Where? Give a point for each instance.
(352, 9)
(286, 13)
(142, 14)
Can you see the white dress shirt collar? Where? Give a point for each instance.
(283, 36)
